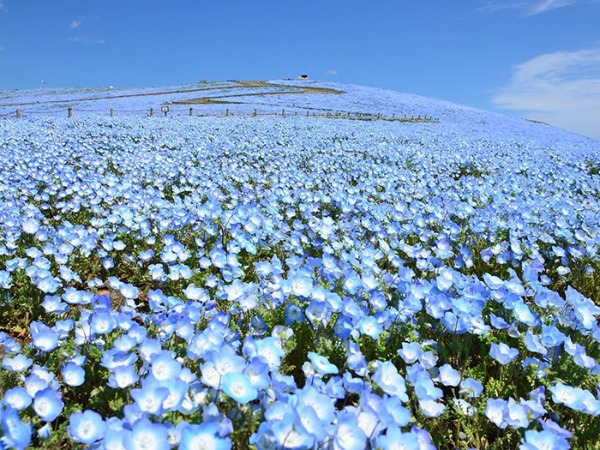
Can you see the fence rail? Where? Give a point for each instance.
(112, 112)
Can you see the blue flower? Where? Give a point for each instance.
(205, 435)
(122, 377)
(390, 381)
(410, 352)
(533, 344)
(369, 326)
(301, 284)
(542, 440)
(45, 431)
(219, 363)
(343, 326)
(495, 410)
(86, 427)
(164, 366)
(498, 322)
(448, 376)
(471, 388)
(523, 314)
(16, 364)
(47, 404)
(575, 398)
(238, 387)
(428, 359)
(270, 351)
(318, 312)
(551, 336)
(348, 435)
(322, 364)
(310, 422)
(150, 398)
(53, 304)
(393, 413)
(356, 361)
(424, 387)
(15, 433)
(258, 373)
(17, 398)
(464, 406)
(103, 322)
(395, 438)
(516, 414)
(550, 425)
(503, 353)
(146, 435)
(321, 404)
(288, 432)
(128, 291)
(235, 290)
(431, 408)
(73, 374)
(43, 337)
(293, 314)
(30, 225)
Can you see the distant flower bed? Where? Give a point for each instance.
(296, 283)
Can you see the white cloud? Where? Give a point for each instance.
(75, 23)
(547, 5)
(531, 7)
(87, 40)
(331, 72)
(561, 88)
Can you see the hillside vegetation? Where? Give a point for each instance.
(295, 282)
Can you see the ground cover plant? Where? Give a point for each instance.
(298, 283)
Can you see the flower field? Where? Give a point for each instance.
(298, 283)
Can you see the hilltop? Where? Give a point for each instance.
(290, 97)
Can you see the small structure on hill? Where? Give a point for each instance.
(303, 77)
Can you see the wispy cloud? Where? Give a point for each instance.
(530, 8)
(87, 40)
(331, 72)
(561, 88)
(75, 23)
(547, 5)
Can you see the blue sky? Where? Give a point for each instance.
(529, 58)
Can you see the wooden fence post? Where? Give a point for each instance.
(18, 113)
(227, 112)
(283, 113)
(69, 112)
(255, 112)
(112, 112)
(191, 112)
(151, 112)
(306, 113)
